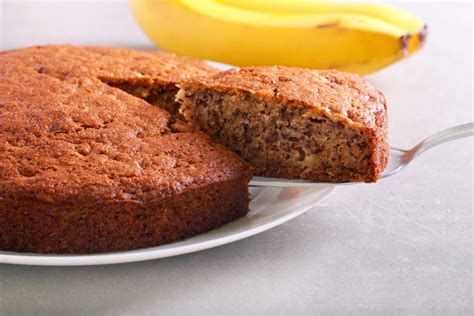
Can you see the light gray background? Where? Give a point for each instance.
(403, 245)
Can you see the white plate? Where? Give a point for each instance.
(270, 207)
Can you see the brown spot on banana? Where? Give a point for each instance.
(327, 25)
(404, 40)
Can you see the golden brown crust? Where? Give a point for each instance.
(118, 64)
(115, 225)
(343, 98)
(338, 93)
(70, 144)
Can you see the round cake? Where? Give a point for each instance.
(88, 164)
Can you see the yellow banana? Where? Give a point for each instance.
(386, 13)
(258, 33)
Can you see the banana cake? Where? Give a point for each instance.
(88, 165)
(293, 123)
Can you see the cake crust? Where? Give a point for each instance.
(114, 64)
(86, 167)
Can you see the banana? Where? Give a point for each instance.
(304, 33)
(386, 13)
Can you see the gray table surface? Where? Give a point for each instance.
(403, 245)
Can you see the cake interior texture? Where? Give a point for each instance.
(281, 140)
(289, 137)
(158, 94)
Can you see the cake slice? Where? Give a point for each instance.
(293, 123)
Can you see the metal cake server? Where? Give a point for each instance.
(399, 158)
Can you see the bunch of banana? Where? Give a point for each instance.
(354, 37)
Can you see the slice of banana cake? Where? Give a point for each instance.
(293, 123)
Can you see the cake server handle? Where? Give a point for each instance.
(399, 158)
